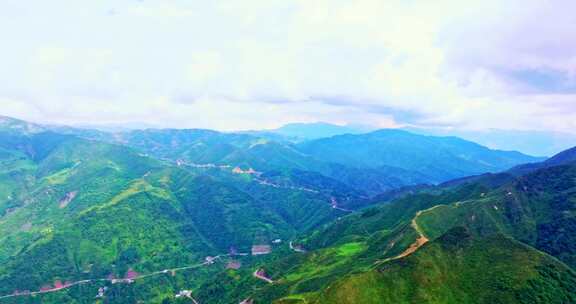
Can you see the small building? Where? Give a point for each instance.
(261, 249)
(250, 171)
(46, 288)
(131, 275)
(184, 293)
(101, 292)
(58, 284)
(238, 170)
(210, 259)
(234, 265)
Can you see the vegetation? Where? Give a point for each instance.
(490, 244)
(127, 211)
(371, 163)
(457, 268)
(87, 207)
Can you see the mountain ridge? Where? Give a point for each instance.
(79, 205)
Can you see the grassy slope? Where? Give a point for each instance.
(129, 211)
(459, 269)
(171, 213)
(348, 245)
(537, 209)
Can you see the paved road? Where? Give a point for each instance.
(295, 249)
(257, 275)
(116, 281)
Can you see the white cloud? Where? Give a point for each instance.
(248, 64)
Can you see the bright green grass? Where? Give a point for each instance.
(325, 261)
(59, 177)
(350, 249)
(459, 269)
(136, 187)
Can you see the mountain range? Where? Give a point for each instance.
(175, 216)
(476, 242)
(534, 142)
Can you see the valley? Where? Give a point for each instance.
(127, 217)
(288, 152)
(68, 285)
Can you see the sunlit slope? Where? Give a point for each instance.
(533, 214)
(456, 268)
(538, 209)
(91, 210)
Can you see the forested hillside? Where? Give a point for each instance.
(487, 241)
(74, 209)
(220, 218)
(371, 163)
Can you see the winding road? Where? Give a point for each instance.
(115, 281)
(296, 249)
(420, 240)
(258, 179)
(259, 274)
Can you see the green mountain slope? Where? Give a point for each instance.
(76, 210)
(351, 244)
(201, 147)
(439, 158)
(371, 163)
(536, 210)
(84, 210)
(457, 268)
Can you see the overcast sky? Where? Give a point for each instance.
(258, 64)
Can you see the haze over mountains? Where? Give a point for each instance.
(541, 143)
(305, 131)
(537, 143)
(392, 157)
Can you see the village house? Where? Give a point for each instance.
(233, 265)
(210, 259)
(184, 293)
(261, 249)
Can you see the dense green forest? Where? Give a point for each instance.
(146, 216)
(507, 224)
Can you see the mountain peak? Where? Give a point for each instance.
(317, 130)
(566, 156)
(10, 123)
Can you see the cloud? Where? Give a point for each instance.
(250, 64)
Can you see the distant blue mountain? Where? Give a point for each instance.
(371, 162)
(538, 143)
(316, 130)
(541, 143)
(439, 158)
